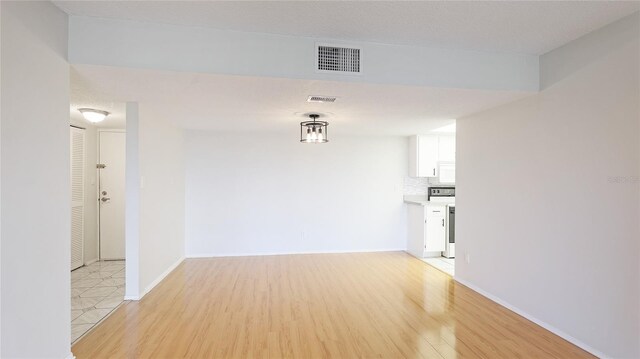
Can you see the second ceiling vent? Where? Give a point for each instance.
(338, 59)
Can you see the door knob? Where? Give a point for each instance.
(104, 199)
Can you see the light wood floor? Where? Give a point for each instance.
(385, 305)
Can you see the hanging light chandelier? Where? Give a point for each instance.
(313, 131)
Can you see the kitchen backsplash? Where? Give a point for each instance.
(419, 186)
(415, 186)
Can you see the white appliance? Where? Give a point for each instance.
(446, 195)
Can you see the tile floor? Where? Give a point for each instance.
(446, 265)
(96, 290)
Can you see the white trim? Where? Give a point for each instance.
(91, 261)
(162, 276)
(530, 317)
(70, 356)
(156, 281)
(100, 129)
(215, 255)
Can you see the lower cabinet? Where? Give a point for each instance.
(426, 229)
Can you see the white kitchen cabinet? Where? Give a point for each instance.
(447, 148)
(423, 156)
(435, 234)
(427, 151)
(426, 229)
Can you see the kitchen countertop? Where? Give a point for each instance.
(418, 202)
(421, 201)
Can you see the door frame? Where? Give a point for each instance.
(98, 132)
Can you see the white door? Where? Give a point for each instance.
(76, 142)
(111, 159)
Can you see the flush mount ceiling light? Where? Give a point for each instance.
(313, 131)
(93, 115)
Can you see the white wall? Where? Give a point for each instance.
(262, 194)
(558, 237)
(35, 181)
(162, 197)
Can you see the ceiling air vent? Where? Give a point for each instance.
(321, 99)
(338, 59)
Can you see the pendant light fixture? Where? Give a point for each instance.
(313, 131)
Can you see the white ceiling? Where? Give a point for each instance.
(235, 103)
(531, 27)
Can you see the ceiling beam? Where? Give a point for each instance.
(121, 43)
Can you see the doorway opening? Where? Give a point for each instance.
(97, 164)
(440, 224)
(430, 191)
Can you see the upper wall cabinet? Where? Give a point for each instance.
(423, 156)
(447, 148)
(425, 151)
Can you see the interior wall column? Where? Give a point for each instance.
(132, 206)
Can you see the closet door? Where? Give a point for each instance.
(77, 197)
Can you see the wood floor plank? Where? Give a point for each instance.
(385, 305)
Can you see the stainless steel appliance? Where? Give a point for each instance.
(442, 194)
(450, 242)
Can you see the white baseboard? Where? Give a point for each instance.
(157, 280)
(131, 297)
(526, 315)
(70, 356)
(215, 255)
(91, 261)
